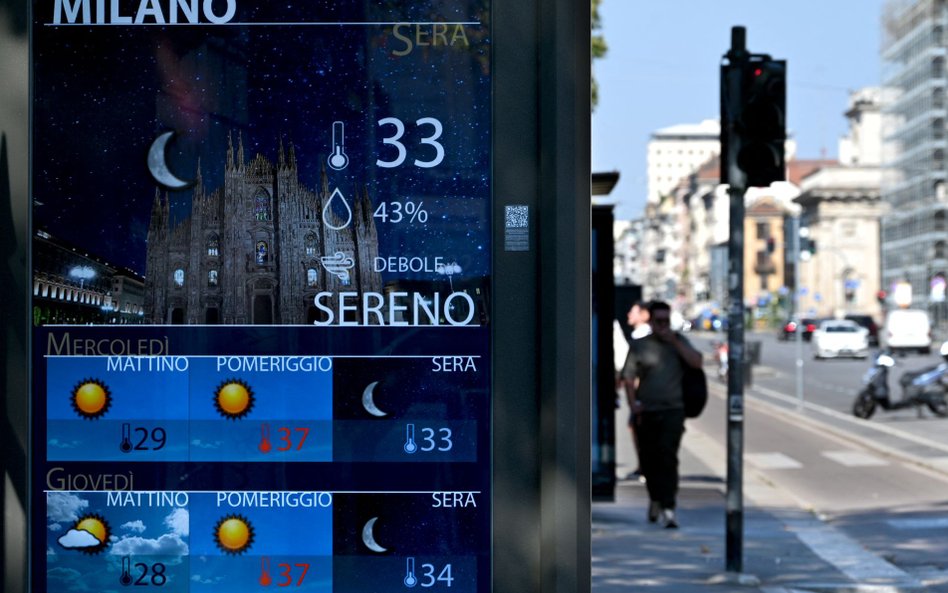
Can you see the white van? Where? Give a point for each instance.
(907, 329)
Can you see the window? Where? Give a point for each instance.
(261, 206)
(312, 278)
(309, 243)
(213, 245)
(179, 277)
(763, 230)
(212, 278)
(939, 250)
(763, 259)
(262, 255)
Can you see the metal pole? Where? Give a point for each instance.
(734, 504)
(798, 334)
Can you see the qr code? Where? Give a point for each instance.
(516, 217)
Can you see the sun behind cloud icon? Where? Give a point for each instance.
(233, 534)
(90, 535)
(91, 398)
(233, 399)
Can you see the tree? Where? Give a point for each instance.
(598, 49)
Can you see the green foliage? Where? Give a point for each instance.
(598, 48)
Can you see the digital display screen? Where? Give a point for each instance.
(261, 279)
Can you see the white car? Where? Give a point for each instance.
(907, 329)
(840, 337)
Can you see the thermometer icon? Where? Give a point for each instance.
(410, 579)
(410, 446)
(126, 445)
(338, 159)
(126, 578)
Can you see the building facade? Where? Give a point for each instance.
(842, 213)
(915, 141)
(676, 152)
(258, 249)
(627, 263)
(73, 286)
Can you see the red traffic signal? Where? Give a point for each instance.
(762, 127)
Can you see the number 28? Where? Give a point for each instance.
(395, 140)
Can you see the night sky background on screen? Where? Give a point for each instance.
(102, 94)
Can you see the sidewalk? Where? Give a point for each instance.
(786, 549)
(631, 555)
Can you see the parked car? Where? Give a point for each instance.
(789, 329)
(869, 323)
(907, 329)
(840, 337)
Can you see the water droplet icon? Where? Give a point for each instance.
(328, 208)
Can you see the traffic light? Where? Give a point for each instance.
(771, 245)
(761, 128)
(881, 296)
(808, 245)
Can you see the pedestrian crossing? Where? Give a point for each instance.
(772, 461)
(847, 458)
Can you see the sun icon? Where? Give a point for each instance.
(233, 399)
(233, 534)
(98, 527)
(91, 398)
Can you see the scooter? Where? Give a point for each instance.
(923, 387)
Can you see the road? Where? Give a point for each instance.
(877, 490)
(831, 386)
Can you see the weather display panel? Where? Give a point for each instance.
(261, 279)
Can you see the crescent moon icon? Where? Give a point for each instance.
(158, 164)
(368, 538)
(369, 403)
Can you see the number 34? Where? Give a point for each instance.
(394, 140)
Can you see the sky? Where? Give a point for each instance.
(664, 61)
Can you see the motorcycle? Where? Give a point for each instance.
(922, 387)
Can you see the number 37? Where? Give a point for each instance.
(395, 140)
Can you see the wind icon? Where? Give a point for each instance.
(339, 265)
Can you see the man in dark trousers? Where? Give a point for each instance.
(652, 375)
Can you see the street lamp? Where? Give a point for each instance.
(449, 270)
(82, 273)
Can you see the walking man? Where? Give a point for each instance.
(652, 376)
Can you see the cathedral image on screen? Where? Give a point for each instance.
(257, 250)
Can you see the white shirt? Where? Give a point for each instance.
(641, 330)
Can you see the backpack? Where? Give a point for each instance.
(694, 391)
